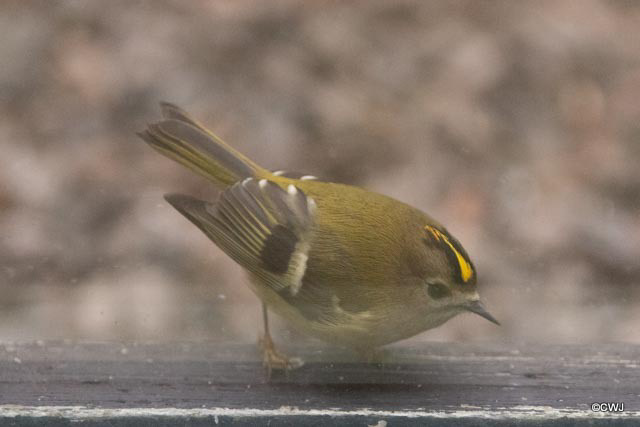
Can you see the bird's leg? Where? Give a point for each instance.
(271, 358)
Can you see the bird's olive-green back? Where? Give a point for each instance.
(365, 237)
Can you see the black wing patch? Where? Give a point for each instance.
(278, 248)
(262, 226)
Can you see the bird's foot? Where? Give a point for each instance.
(272, 359)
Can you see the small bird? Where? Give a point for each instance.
(340, 263)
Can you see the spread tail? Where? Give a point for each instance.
(186, 141)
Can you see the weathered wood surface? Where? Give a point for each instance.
(435, 384)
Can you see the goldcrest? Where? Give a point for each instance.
(340, 263)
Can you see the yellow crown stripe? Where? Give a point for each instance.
(465, 268)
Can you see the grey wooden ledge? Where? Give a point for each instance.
(443, 384)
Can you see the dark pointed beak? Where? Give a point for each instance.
(477, 308)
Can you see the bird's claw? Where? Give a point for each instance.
(272, 359)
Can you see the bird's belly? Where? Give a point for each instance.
(378, 330)
(367, 329)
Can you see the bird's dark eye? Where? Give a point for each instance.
(437, 290)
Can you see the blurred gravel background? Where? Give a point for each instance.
(517, 124)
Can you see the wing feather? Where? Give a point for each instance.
(263, 227)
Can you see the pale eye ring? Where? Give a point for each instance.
(437, 290)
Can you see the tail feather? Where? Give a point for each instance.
(173, 112)
(186, 141)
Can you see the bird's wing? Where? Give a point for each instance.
(263, 227)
